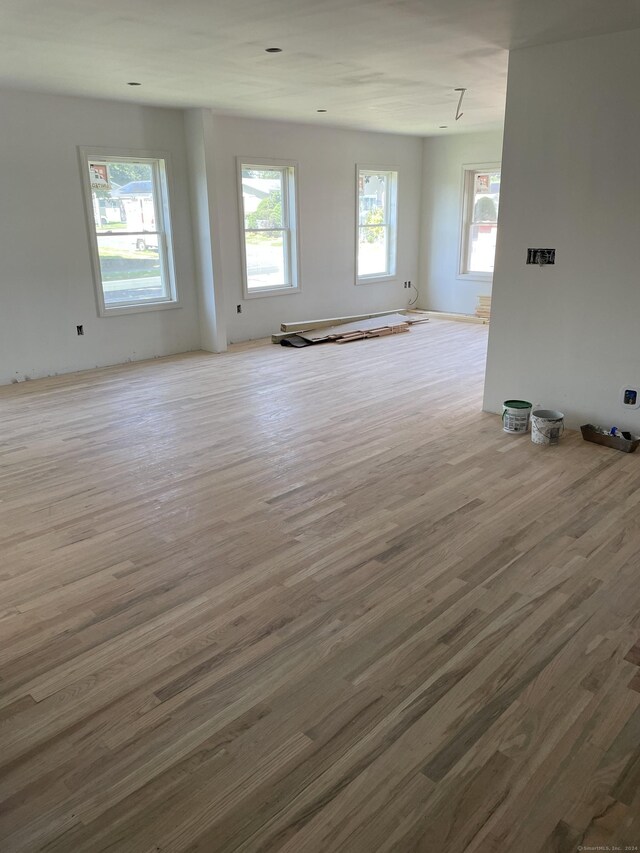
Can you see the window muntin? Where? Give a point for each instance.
(377, 223)
(480, 221)
(129, 210)
(268, 207)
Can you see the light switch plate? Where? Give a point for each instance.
(630, 397)
(541, 256)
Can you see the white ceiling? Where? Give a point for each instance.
(389, 65)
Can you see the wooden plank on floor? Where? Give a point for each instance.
(364, 325)
(305, 325)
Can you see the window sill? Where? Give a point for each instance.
(138, 309)
(376, 279)
(475, 276)
(270, 291)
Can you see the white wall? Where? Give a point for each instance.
(327, 161)
(567, 336)
(46, 282)
(442, 177)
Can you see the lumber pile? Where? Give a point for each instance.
(380, 332)
(345, 329)
(483, 308)
(367, 327)
(305, 325)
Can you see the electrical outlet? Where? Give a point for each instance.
(238, 309)
(80, 330)
(542, 257)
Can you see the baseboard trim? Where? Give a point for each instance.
(461, 318)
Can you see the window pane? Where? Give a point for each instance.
(122, 195)
(486, 197)
(377, 220)
(130, 269)
(262, 198)
(481, 204)
(373, 250)
(128, 206)
(373, 190)
(268, 201)
(482, 248)
(266, 252)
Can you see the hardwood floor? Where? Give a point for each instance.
(312, 601)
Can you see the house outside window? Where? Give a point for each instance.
(268, 210)
(127, 200)
(481, 200)
(377, 225)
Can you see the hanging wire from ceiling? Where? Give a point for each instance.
(458, 113)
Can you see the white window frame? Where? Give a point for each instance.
(160, 162)
(469, 171)
(290, 229)
(391, 223)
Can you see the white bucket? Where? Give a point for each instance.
(515, 416)
(547, 426)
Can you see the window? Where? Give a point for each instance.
(270, 240)
(128, 206)
(480, 220)
(377, 224)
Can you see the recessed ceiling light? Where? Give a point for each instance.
(134, 84)
(273, 50)
(321, 111)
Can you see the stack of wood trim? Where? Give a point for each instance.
(483, 308)
(380, 332)
(367, 327)
(306, 325)
(352, 328)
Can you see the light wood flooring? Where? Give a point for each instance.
(312, 601)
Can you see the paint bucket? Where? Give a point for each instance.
(547, 426)
(515, 416)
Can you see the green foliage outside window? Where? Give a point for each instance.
(123, 173)
(374, 218)
(268, 213)
(485, 210)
